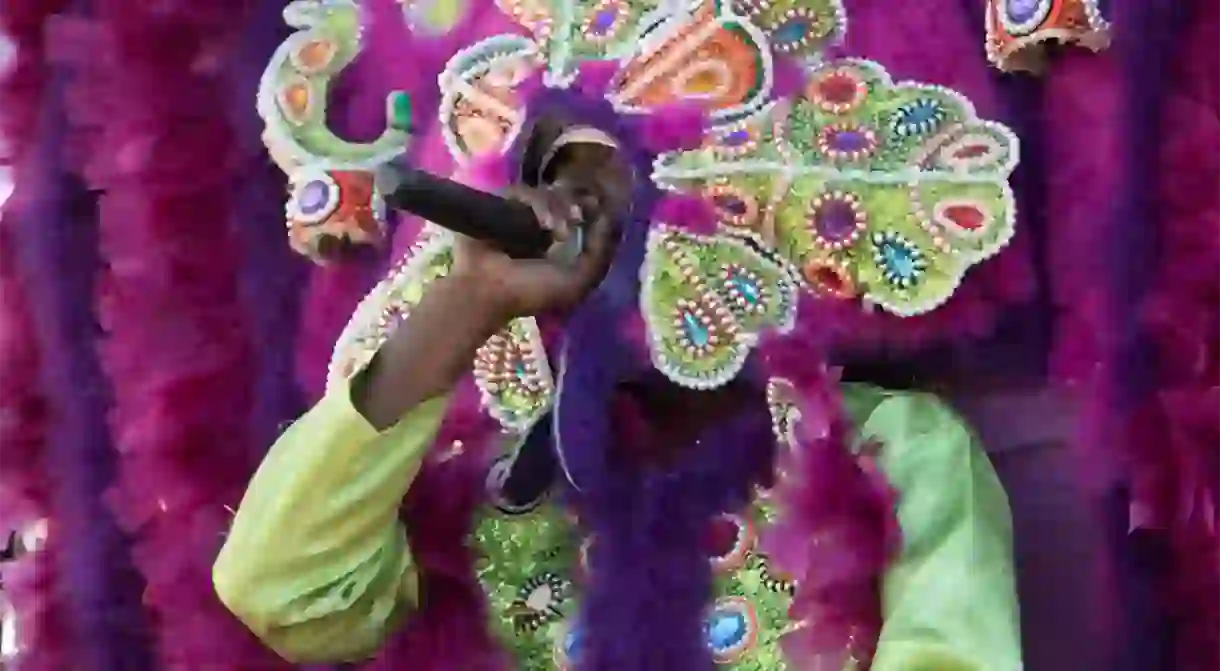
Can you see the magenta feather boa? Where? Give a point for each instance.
(153, 121)
(1174, 437)
(30, 583)
(837, 530)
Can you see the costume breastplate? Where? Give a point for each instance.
(535, 564)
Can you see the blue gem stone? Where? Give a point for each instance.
(792, 31)
(1021, 11)
(696, 332)
(574, 645)
(920, 116)
(313, 197)
(747, 288)
(901, 261)
(522, 372)
(727, 628)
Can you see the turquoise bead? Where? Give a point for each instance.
(696, 332)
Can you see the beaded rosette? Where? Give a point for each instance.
(1019, 30)
(855, 188)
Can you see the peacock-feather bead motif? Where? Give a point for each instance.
(513, 375)
(857, 155)
(704, 302)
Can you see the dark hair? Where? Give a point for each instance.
(539, 139)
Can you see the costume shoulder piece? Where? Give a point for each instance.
(1018, 31)
(852, 187)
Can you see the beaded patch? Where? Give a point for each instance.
(292, 98)
(1019, 30)
(529, 570)
(785, 412)
(868, 190)
(510, 370)
(384, 308)
(514, 377)
(293, 90)
(481, 111)
(342, 206)
(534, 564)
(705, 301)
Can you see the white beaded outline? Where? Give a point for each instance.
(352, 345)
(668, 174)
(743, 340)
(305, 16)
(1024, 28)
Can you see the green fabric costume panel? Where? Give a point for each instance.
(316, 563)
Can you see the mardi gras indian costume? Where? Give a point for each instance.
(818, 524)
(1019, 31)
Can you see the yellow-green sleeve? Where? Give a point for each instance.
(949, 600)
(316, 563)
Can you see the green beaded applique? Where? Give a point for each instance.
(514, 377)
(868, 189)
(384, 308)
(533, 565)
(293, 92)
(528, 568)
(705, 300)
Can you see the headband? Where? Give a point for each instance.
(574, 135)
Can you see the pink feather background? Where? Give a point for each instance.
(152, 125)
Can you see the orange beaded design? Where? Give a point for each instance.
(1019, 30)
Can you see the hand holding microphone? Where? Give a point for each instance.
(532, 250)
(543, 245)
(579, 255)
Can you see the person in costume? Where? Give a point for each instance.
(695, 489)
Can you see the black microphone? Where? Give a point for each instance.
(509, 225)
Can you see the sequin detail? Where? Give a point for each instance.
(731, 629)
(539, 602)
(902, 262)
(837, 219)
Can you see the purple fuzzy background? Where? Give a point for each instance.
(1090, 139)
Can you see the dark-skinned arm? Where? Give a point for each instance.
(316, 562)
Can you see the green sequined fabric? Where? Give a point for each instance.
(534, 564)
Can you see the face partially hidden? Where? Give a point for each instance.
(657, 419)
(595, 176)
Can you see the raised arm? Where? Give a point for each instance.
(316, 563)
(949, 600)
